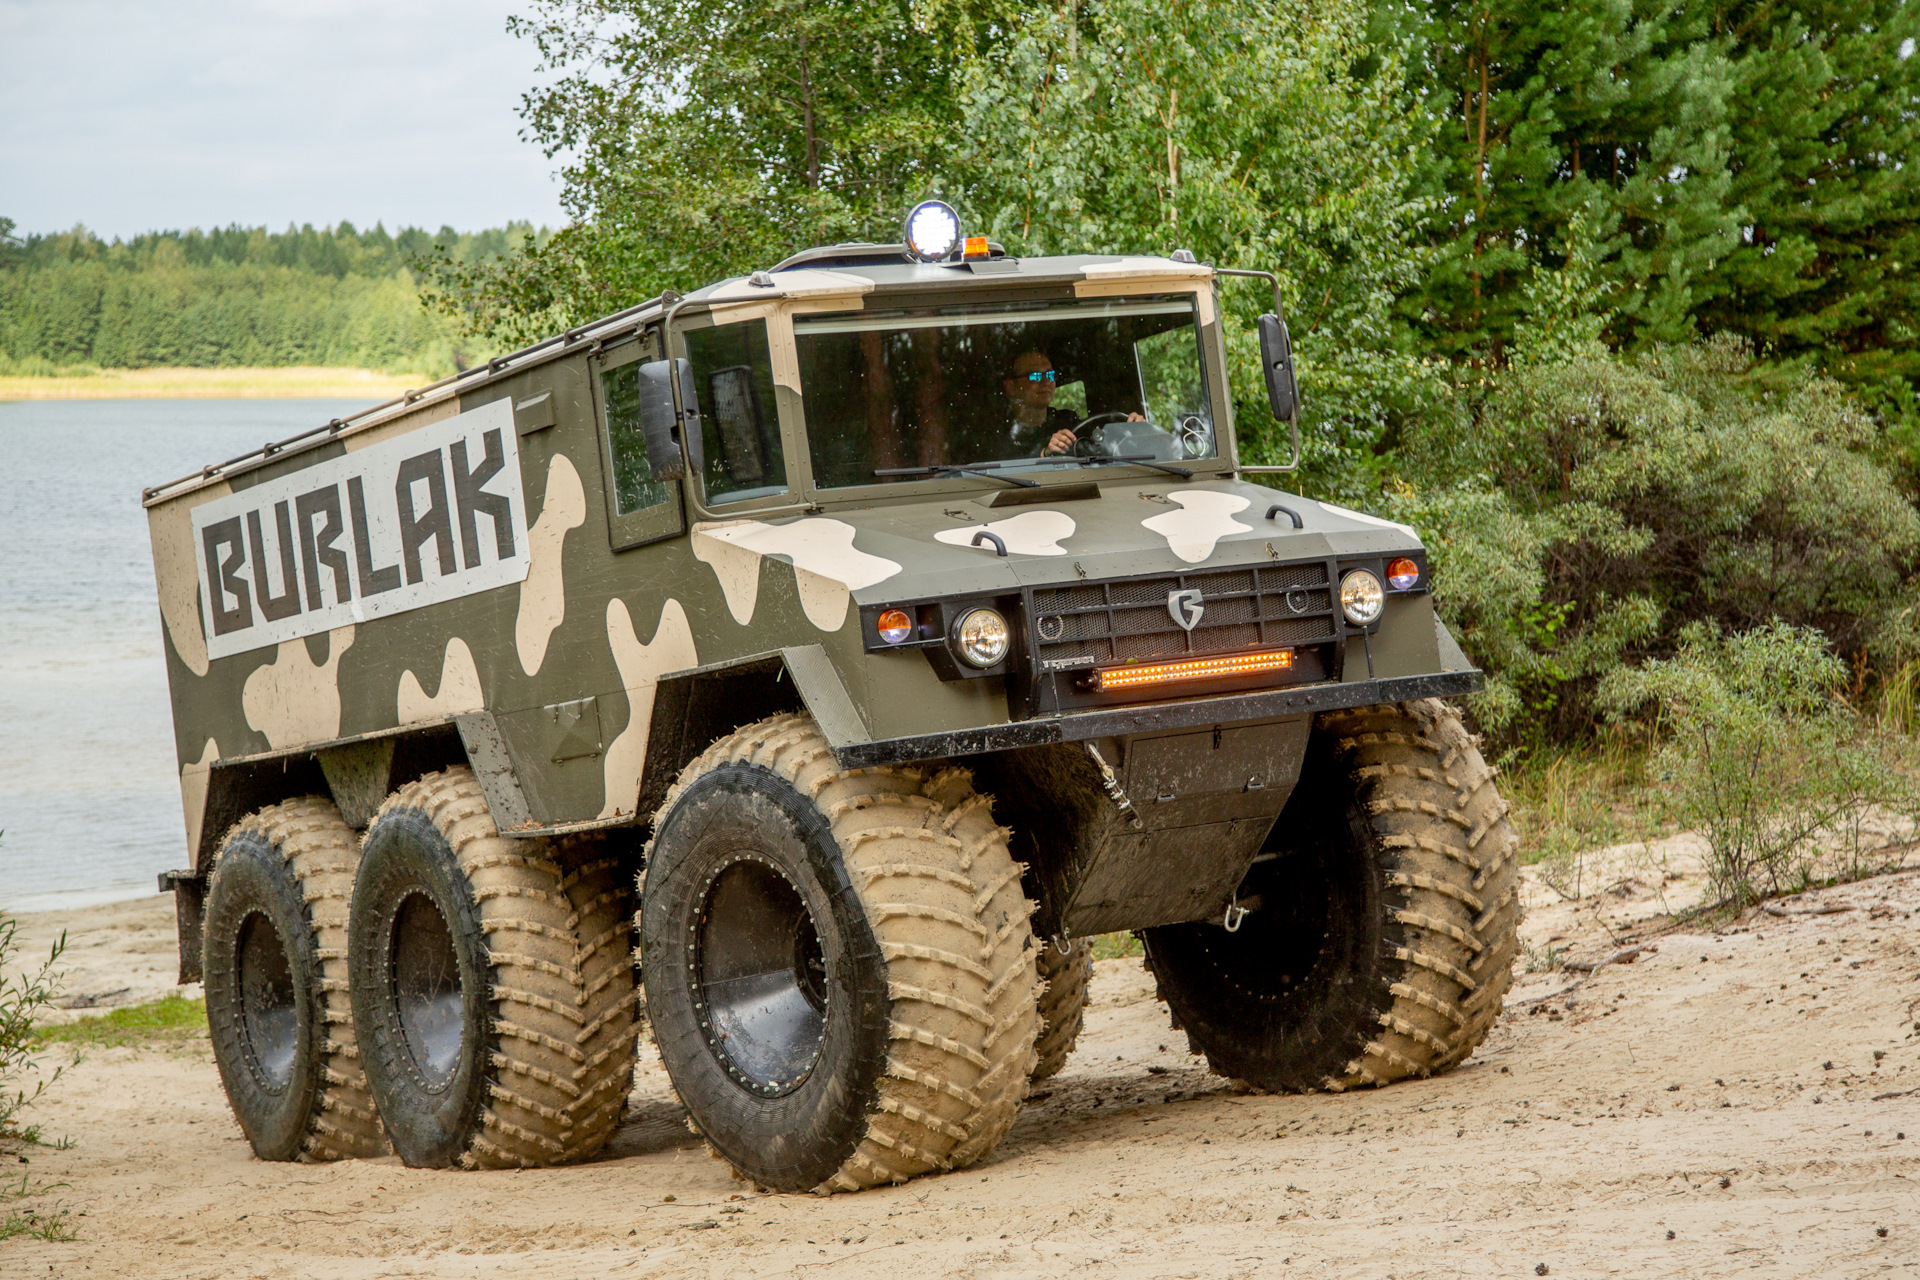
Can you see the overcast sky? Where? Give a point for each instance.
(131, 116)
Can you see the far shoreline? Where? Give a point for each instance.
(256, 383)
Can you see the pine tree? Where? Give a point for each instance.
(1825, 126)
(1741, 167)
(1614, 110)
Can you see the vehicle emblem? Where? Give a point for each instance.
(1185, 607)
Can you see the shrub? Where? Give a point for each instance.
(24, 993)
(1759, 753)
(1583, 511)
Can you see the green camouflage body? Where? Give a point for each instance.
(569, 689)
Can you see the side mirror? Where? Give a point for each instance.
(1276, 357)
(662, 426)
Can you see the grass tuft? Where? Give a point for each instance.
(169, 1018)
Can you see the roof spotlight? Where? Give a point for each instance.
(933, 229)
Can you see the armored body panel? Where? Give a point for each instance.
(909, 612)
(490, 574)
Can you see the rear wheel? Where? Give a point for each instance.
(1063, 1005)
(1379, 940)
(274, 961)
(838, 966)
(493, 981)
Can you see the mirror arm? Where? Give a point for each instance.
(693, 481)
(1279, 309)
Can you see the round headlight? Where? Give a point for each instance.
(1361, 597)
(933, 229)
(982, 636)
(1402, 574)
(894, 625)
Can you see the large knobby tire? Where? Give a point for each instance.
(1382, 935)
(838, 966)
(1063, 1005)
(492, 982)
(275, 963)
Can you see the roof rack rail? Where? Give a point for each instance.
(491, 368)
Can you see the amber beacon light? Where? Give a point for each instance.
(1238, 664)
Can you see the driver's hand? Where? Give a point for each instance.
(1061, 442)
(1136, 417)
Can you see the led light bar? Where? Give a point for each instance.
(1237, 664)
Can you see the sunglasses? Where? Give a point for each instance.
(1044, 375)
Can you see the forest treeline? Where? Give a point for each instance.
(237, 296)
(1614, 300)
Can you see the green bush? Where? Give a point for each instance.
(24, 992)
(1760, 754)
(1583, 511)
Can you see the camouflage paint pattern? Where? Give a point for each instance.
(568, 660)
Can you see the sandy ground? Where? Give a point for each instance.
(1730, 1104)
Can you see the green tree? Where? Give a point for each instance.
(705, 140)
(1741, 167)
(1247, 133)
(1617, 111)
(1824, 126)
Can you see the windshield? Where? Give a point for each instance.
(900, 395)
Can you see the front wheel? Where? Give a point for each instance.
(838, 967)
(1379, 939)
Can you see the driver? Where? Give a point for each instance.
(1037, 426)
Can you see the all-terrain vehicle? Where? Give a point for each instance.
(855, 640)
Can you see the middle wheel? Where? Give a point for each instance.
(838, 966)
(492, 984)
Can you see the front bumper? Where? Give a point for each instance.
(1117, 721)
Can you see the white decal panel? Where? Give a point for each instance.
(432, 515)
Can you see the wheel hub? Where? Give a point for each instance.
(268, 1016)
(759, 978)
(426, 989)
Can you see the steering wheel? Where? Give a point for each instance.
(1095, 420)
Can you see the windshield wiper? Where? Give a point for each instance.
(1139, 459)
(953, 469)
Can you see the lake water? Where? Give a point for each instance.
(89, 789)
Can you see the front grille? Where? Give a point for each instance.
(1098, 624)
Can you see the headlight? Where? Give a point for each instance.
(982, 636)
(933, 229)
(1361, 597)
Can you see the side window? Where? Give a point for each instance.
(640, 509)
(634, 487)
(739, 417)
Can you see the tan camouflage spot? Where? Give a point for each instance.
(1205, 517)
(827, 567)
(641, 666)
(1130, 275)
(438, 411)
(291, 700)
(543, 593)
(176, 574)
(458, 691)
(1364, 518)
(1031, 533)
(194, 777)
